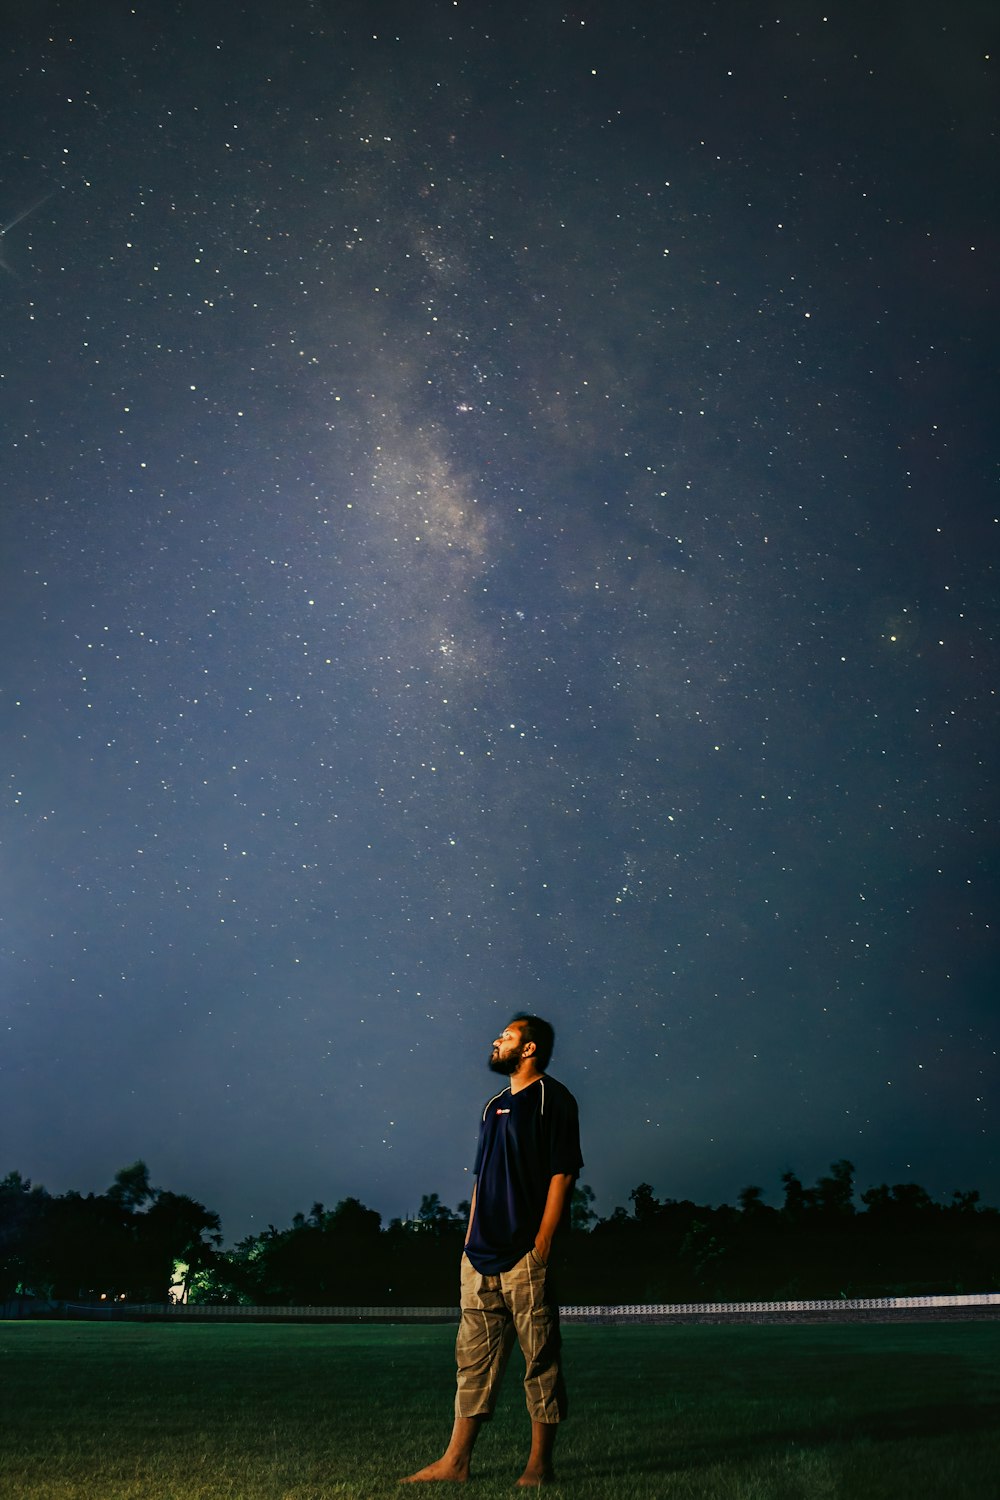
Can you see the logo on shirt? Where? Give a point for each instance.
(503, 1111)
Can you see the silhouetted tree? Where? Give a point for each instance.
(90, 1249)
(131, 1189)
(22, 1231)
(899, 1204)
(704, 1250)
(581, 1214)
(834, 1195)
(175, 1229)
(351, 1219)
(798, 1200)
(645, 1207)
(751, 1200)
(432, 1214)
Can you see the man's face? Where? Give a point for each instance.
(508, 1049)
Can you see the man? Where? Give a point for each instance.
(527, 1161)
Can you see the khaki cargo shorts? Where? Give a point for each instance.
(495, 1311)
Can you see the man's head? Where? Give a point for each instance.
(525, 1038)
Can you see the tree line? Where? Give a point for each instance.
(143, 1243)
(124, 1242)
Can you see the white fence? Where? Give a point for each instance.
(838, 1304)
(616, 1312)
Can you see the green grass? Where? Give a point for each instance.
(272, 1412)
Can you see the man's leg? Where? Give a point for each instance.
(536, 1319)
(538, 1469)
(485, 1339)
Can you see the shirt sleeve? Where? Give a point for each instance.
(564, 1138)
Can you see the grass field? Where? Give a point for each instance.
(270, 1412)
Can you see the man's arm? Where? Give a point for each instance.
(560, 1189)
(472, 1213)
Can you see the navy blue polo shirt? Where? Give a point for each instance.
(525, 1139)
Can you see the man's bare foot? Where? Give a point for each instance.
(454, 1464)
(446, 1470)
(532, 1477)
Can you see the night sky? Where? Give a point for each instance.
(498, 512)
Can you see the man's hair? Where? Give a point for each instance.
(534, 1029)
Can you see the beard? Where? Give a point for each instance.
(506, 1065)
